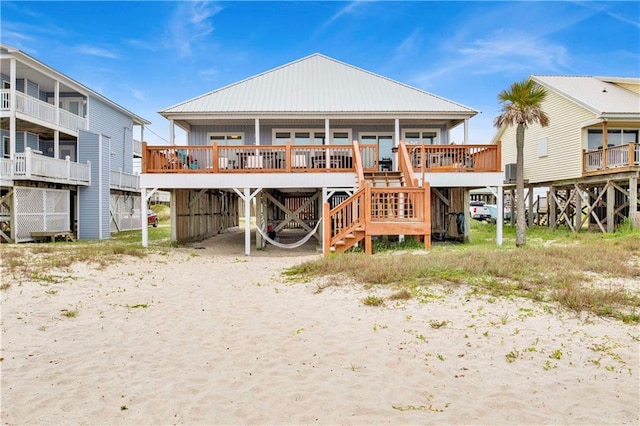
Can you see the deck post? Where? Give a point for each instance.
(530, 202)
(247, 221)
(611, 207)
(500, 218)
(466, 201)
(552, 209)
(259, 221)
(578, 219)
(633, 202)
(173, 206)
(143, 218)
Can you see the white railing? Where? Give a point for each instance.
(125, 181)
(31, 166)
(6, 169)
(44, 111)
(137, 148)
(615, 157)
(70, 121)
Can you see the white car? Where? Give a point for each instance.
(479, 211)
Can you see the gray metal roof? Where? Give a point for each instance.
(318, 84)
(595, 93)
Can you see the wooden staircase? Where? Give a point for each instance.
(387, 203)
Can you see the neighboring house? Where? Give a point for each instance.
(589, 155)
(67, 155)
(337, 152)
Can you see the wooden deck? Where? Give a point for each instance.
(313, 158)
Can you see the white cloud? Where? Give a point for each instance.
(348, 9)
(503, 52)
(190, 23)
(139, 94)
(410, 46)
(96, 51)
(210, 74)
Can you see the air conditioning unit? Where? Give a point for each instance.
(510, 172)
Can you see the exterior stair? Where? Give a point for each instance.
(385, 204)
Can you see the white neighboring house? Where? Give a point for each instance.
(66, 155)
(589, 155)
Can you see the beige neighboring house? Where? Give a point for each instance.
(588, 156)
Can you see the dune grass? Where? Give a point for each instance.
(35, 259)
(556, 266)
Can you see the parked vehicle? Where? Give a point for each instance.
(493, 209)
(152, 218)
(479, 211)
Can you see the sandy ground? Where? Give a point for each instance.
(197, 336)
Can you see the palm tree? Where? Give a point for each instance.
(521, 105)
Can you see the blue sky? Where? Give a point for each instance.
(147, 56)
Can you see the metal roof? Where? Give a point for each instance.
(318, 84)
(597, 94)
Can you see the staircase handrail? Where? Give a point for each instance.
(354, 205)
(357, 163)
(404, 165)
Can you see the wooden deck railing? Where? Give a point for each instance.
(256, 159)
(458, 158)
(611, 158)
(379, 211)
(316, 158)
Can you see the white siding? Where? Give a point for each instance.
(564, 135)
(635, 88)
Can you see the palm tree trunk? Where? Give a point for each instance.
(521, 224)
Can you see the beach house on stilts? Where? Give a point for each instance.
(339, 153)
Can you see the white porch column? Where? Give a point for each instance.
(56, 144)
(247, 221)
(12, 116)
(56, 101)
(327, 132)
(466, 131)
(257, 130)
(142, 133)
(259, 221)
(143, 217)
(172, 133)
(500, 218)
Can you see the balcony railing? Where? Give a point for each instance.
(457, 158)
(44, 111)
(31, 166)
(313, 158)
(124, 181)
(252, 159)
(611, 158)
(137, 148)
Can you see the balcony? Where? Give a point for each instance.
(614, 159)
(312, 158)
(35, 167)
(43, 111)
(124, 181)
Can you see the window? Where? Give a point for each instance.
(6, 146)
(418, 136)
(543, 145)
(384, 142)
(310, 137)
(615, 137)
(225, 139)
